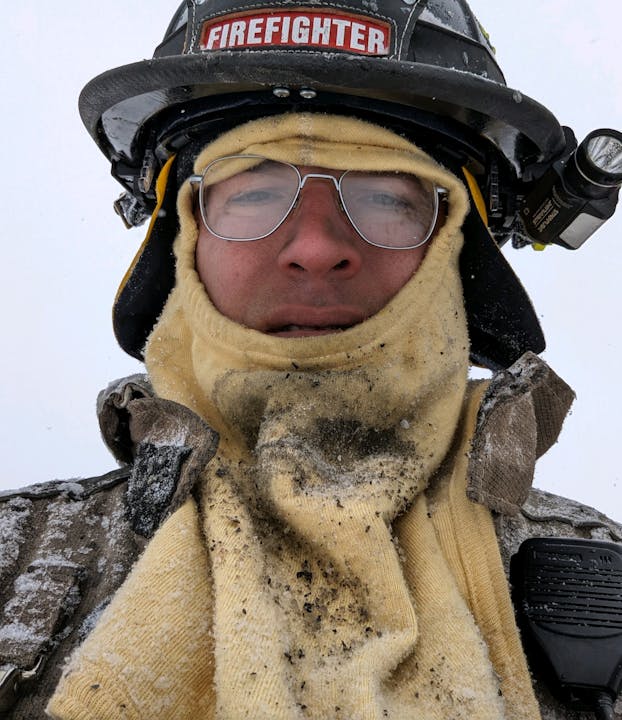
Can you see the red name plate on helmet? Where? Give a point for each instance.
(294, 28)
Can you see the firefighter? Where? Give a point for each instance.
(322, 505)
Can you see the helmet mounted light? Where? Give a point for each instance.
(579, 192)
(425, 70)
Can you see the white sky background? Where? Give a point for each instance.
(64, 250)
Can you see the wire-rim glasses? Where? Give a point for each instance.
(243, 198)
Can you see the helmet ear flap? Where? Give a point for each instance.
(502, 322)
(151, 276)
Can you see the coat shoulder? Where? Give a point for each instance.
(546, 515)
(65, 548)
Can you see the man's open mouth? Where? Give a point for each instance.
(307, 330)
(306, 320)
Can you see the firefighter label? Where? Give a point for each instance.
(309, 28)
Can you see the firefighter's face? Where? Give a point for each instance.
(314, 275)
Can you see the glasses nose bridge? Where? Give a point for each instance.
(320, 176)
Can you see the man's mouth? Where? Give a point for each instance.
(307, 330)
(306, 321)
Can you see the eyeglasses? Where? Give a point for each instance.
(247, 197)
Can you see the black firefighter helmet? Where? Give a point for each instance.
(423, 68)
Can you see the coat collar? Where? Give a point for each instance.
(168, 445)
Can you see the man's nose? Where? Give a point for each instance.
(319, 238)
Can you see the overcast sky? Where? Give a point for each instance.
(65, 251)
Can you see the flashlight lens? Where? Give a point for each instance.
(599, 158)
(605, 152)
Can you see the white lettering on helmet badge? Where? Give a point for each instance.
(302, 27)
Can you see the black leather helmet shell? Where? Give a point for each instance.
(435, 60)
(423, 68)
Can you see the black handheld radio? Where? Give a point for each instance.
(568, 596)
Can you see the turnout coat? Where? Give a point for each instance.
(66, 547)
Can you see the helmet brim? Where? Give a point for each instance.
(115, 105)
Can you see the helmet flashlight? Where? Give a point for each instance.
(578, 193)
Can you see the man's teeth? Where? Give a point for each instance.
(295, 328)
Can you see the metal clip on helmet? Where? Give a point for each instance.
(424, 69)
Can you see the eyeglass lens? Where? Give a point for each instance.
(247, 198)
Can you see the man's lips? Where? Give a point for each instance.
(308, 321)
(307, 331)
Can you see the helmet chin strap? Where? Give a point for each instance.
(476, 195)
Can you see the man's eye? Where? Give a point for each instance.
(381, 201)
(255, 197)
(389, 201)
